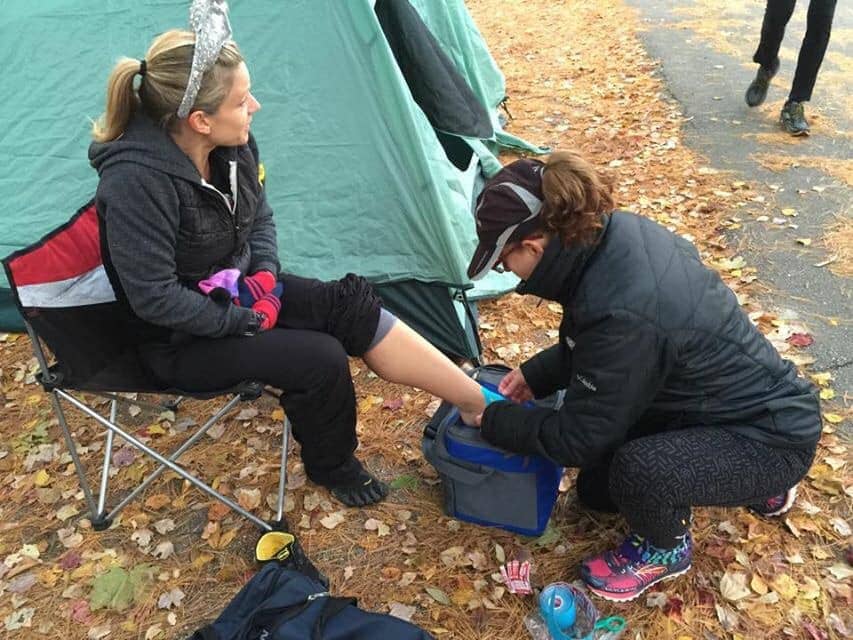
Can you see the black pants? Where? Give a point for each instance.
(653, 481)
(305, 356)
(818, 26)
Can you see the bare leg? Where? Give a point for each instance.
(403, 356)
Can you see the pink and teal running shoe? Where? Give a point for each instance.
(625, 572)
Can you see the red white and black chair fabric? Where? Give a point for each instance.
(62, 291)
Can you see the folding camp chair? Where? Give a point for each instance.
(63, 293)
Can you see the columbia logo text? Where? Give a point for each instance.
(586, 383)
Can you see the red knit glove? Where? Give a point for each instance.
(270, 305)
(258, 284)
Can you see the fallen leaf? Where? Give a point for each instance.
(438, 595)
(758, 585)
(247, 414)
(118, 589)
(80, 612)
(163, 550)
(69, 537)
(827, 394)
(393, 405)
(153, 632)
(791, 213)
(249, 499)
(22, 583)
(733, 586)
(785, 586)
(170, 599)
(833, 418)
(728, 618)
(101, 631)
(372, 524)
(333, 519)
(164, 526)
(405, 482)
(68, 511)
(800, 339)
(42, 478)
(311, 501)
(157, 501)
(821, 379)
(70, 560)
(841, 571)
(19, 619)
(500, 555)
(401, 611)
(656, 599)
(432, 407)
(142, 537)
(804, 241)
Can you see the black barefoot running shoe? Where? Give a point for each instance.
(351, 483)
(757, 90)
(793, 118)
(777, 505)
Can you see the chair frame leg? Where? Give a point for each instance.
(164, 462)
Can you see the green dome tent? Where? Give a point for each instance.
(361, 178)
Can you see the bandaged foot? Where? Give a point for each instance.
(469, 417)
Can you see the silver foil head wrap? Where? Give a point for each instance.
(209, 21)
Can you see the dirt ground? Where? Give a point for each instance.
(578, 78)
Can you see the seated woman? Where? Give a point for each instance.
(673, 398)
(183, 215)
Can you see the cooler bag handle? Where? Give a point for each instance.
(435, 451)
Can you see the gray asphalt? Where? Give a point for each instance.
(709, 84)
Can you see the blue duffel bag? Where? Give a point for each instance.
(487, 485)
(282, 604)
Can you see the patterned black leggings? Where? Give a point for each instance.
(653, 481)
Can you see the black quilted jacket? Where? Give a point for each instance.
(651, 340)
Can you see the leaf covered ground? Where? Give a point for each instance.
(578, 78)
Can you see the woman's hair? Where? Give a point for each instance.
(161, 88)
(576, 198)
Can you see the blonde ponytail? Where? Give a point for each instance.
(122, 101)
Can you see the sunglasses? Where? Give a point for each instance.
(499, 265)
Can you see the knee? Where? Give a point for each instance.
(356, 313)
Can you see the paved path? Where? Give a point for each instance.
(705, 49)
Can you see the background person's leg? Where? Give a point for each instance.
(818, 27)
(776, 17)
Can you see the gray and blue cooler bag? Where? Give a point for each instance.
(487, 485)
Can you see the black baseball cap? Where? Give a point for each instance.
(508, 209)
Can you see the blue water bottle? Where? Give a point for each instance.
(557, 606)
